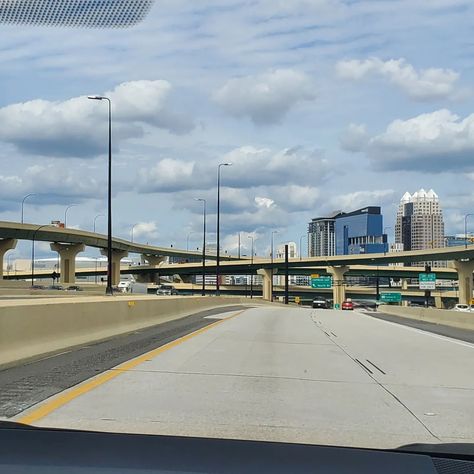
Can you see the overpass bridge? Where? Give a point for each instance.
(70, 242)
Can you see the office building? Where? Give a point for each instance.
(321, 236)
(420, 223)
(360, 231)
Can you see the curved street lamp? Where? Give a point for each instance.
(95, 219)
(218, 256)
(204, 205)
(108, 290)
(65, 213)
(23, 204)
(465, 229)
(251, 263)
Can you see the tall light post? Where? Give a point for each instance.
(33, 252)
(23, 204)
(108, 290)
(271, 255)
(204, 205)
(218, 256)
(95, 219)
(301, 246)
(65, 213)
(251, 263)
(465, 229)
(187, 240)
(131, 232)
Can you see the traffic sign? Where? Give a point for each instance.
(391, 297)
(315, 275)
(321, 282)
(427, 281)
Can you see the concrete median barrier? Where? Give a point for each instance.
(451, 318)
(31, 329)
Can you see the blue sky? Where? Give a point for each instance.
(320, 104)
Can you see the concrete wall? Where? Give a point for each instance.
(32, 328)
(455, 319)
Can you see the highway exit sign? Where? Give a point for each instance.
(391, 297)
(427, 281)
(321, 282)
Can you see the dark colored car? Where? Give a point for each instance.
(348, 305)
(320, 303)
(38, 287)
(56, 287)
(74, 288)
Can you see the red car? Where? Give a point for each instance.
(348, 305)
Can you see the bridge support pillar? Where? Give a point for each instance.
(117, 255)
(338, 288)
(267, 283)
(153, 261)
(5, 246)
(465, 269)
(67, 254)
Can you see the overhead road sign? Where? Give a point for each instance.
(321, 282)
(427, 281)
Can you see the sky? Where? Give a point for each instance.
(320, 105)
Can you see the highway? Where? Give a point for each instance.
(267, 373)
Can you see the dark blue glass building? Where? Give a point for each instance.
(360, 231)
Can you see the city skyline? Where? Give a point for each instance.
(323, 131)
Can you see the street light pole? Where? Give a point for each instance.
(187, 240)
(108, 290)
(218, 223)
(23, 204)
(204, 204)
(251, 267)
(465, 229)
(65, 213)
(131, 232)
(271, 255)
(95, 219)
(301, 246)
(33, 252)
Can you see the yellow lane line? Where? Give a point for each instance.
(62, 399)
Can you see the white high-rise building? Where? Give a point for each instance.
(420, 223)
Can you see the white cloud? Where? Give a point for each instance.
(423, 84)
(147, 230)
(251, 167)
(433, 142)
(265, 98)
(354, 138)
(264, 202)
(53, 184)
(358, 199)
(78, 127)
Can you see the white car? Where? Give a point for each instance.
(462, 307)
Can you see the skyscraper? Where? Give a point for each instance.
(321, 236)
(420, 222)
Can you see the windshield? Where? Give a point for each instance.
(297, 175)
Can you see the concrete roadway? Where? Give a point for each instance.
(285, 374)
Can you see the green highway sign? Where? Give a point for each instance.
(391, 297)
(321, 282)
(427, 281)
